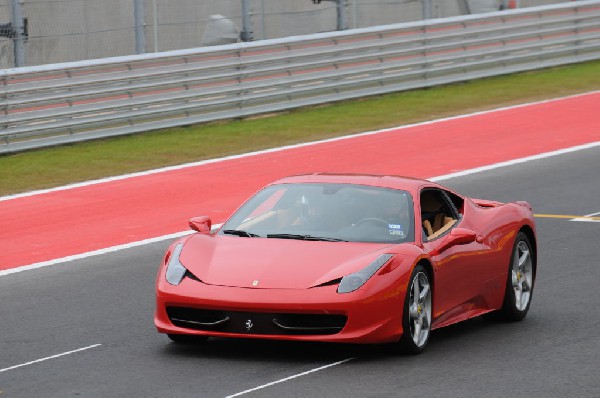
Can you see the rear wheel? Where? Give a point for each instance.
(519, 283)
(187, 338)
(416, 319)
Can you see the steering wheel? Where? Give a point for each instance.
(372, 220)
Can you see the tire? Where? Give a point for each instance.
(416, 318)
(519, 282)
(187, 338)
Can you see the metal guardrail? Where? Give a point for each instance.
(62, 103)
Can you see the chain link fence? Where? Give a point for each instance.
(37, 32)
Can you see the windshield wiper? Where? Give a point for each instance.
(239, 232)
(305, 237)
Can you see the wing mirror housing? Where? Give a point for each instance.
(201, 224)
(457, 236)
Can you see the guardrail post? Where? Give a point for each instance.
(427, 9)
(155, 25)
(341, 12)
(138, 15)
(246, 34)
(341, 17)
(19, 39)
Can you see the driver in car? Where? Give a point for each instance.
(310, 212)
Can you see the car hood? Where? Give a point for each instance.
(263, 263)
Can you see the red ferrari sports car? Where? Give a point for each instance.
(348, 258)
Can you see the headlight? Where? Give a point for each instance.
(353, 281)
(175, 270)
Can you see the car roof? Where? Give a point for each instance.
(409, 184)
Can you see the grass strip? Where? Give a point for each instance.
(51, 167)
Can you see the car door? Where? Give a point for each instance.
(457, 255)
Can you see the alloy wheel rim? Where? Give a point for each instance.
(419, 309)
(522, 275)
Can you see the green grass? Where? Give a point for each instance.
(109, 157)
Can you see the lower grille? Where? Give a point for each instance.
(256, 322)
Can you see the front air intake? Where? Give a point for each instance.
(256, 322)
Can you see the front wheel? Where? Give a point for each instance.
(416, 318)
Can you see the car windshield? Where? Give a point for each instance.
(329, 212)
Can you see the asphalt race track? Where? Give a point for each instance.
(103, 305)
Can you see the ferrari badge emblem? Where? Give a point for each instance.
(249, 324)
(255, 283)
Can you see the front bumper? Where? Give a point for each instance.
(370, 315)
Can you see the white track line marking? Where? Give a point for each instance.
(94, 253)
(183, 233)
(100, 251)
(289, 378)
(279, 149)
(50, 357)
(587, 219)
(516, 161)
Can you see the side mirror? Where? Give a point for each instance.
(201, 224)
(457, 236)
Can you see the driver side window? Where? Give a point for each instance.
(437, 215)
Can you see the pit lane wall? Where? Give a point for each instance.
(61, 103)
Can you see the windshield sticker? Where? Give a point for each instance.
(396, 229)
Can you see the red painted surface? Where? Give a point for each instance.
(62, 223)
